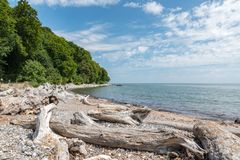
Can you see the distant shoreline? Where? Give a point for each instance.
(154, 107)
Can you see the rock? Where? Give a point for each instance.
(173, 155)
(237, 121)
(77, 147)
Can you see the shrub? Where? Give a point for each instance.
(53, 76)
(34, 72)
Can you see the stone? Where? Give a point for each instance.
(237, 121)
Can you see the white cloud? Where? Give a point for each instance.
(206, 35)
(91, 39)
(75, 2)
(132, 5)
(153, 8)
(142, 49)
(149, 7)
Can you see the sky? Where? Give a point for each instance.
(152, 41)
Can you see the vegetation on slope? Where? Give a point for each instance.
(30, 52)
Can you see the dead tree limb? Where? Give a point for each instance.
(218, 142)
(44, 135)
(128, 138)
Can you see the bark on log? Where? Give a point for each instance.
(128, 138)
(219, 143)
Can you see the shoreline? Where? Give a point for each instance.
(156, 108)
(143, 125)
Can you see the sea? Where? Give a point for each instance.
(210, 101)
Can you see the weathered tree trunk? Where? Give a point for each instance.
(113, 117)
(113, 107)
(44, 135)
(100, 157)
(131, 117)
(189, 127)
(128, 138)
(219, 143)
(80, 118)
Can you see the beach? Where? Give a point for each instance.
(154, 122)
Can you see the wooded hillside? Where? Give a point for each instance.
(30, 52)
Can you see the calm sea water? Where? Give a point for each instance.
(203, 100)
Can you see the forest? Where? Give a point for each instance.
(33, 53)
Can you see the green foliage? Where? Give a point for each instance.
(30, 52)
(53, 76)
(27, 25)
(34, 72)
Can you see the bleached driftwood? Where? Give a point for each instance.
(139, 114)
(160, 141)
(154, 140)
(131, 117)
(44, 135)
(189, 127)
(100, 157)
(113, 117)
(176, 125)
(17, 105)
(218, 142)
(80, 118)
(113, 107)
(7, 92)
(85, 101)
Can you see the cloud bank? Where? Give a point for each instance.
(204, 39)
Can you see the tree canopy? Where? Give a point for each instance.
(31, 52)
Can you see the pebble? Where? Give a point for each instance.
(15, 144)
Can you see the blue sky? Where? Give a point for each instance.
(173, 41)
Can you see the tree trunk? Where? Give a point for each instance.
(219, 143)
(44, 135)
(128, 138)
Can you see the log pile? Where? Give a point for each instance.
(200, 141)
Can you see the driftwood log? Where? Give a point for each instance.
(100, 157)
(131, 117)
(44, 135)
(157, 140)
(81, 118)
(189, 127)
(85, 101)
(113, 107)
(113, 117)
(160, 141)
(218, 142)
(128, 138)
